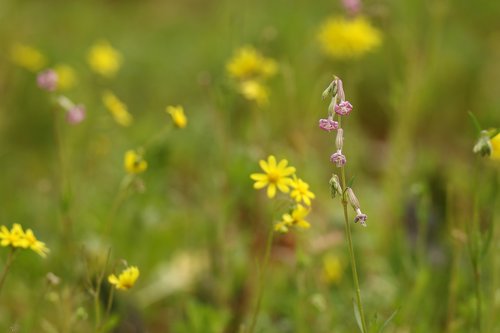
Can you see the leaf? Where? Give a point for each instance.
(357, 315)
(381, 329)
(475, 122)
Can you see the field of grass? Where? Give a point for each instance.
(423, 78)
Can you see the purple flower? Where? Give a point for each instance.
(352, 7)
(328, 124)
(47, 80)
(338, 158)
(360, 217)
(75, 114)
(344, 108)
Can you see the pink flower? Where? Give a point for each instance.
(344, 108)
(352, 7)
(47, 80)
(75, 114)
(328, 124)
(338, 158)
(360, 217)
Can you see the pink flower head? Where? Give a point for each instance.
(352, 7)
(75, 114)
(360, 217)
(328, 124)
(47, 80)
(338, 159)
(344, 108)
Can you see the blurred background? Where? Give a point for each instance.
(192, 222)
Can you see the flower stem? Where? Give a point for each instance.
(352, 257)
(5, 270)
(262, 274)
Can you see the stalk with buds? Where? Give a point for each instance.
(338, 109)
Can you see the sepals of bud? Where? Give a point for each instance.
(335, 187)
(351, 197)
(339, 140)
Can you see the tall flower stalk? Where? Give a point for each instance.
(338, 109)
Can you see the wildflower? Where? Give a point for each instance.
(344, 108)
(332, 269)
(14, 237)
(360, 217)
(352, 7)
(27, 57)
(47, 80)
(495, 147)
(126, 279)
(255, 91)
(248, 63)
(66, 77)
(275, 176)
(75, 114)
(134, 162)
(178, 116)
(104, 59)
(301, 191)
(117, 108)
(35, 245)
(328, 124)
(296, 218)
(341, 38)
(338, 159)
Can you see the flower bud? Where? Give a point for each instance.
(327, 91)
(47, 80)
(340, 89)
(351, 197)
(335, 187)
(339, 140)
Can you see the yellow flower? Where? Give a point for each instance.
(248, 63)
(178, 116)
(117, 108)
(104, 59)
(66, 76)
(275, 176)
(134, 162)
(296, 219)
(35, 244)
(27, 57)
(301, 191)
(14, 237)
(126, 279)
(495, 147)
(332, 269)
(348, 38)
(254, 91)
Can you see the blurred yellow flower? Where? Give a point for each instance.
(255, 91)
(348, 38)
(104, 59)
(332, 269)
(301, 191)
(117, 109)
(178, 116)
(495, 147)
(295, 219)
(275, 176)
(66, 76)
(134, 162)
(126, 279)
(248, 63)
(35, 245)
(27, 57)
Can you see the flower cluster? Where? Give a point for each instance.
(134, 162)
(250, 69)
(339, 107)
(16, 237)
(278, 176)
(126, 279)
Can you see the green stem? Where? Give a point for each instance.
(5, 270)
(476, 259)
(352, 257)
(262, 274)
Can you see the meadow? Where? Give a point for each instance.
(249, 166)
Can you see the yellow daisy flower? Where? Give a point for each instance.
(255, 91)
(296, 219)
(35, 245)
(66, 76)
(248, 63)
(178, 116)
(348, 38)
(301, 191)
(275, 176)
(134, 162)
(117, 109)
(104, 59)
(14, 237)
(495, 147)
(126, 279)
(27, 57)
